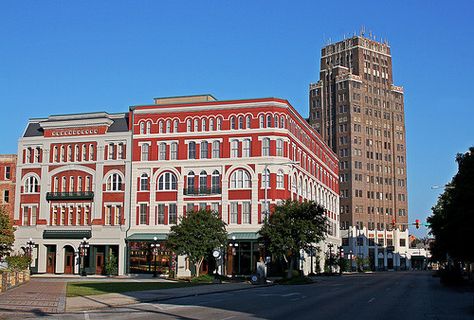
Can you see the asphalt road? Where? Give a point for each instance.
(388, 295)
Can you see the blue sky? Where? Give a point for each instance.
(81, 56)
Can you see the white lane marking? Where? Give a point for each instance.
(227, 318)
(86, 316)
(291, 294)
(371, 300)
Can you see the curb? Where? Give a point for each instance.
(167, 298)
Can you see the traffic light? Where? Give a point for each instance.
(417, 224)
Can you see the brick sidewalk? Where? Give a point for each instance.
(35, 298)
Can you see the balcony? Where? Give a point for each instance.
(201, 191)
(81, 195)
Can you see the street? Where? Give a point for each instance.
(386, 295)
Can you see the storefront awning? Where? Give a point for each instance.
(243, 236)
(67, 234)
(147, 236)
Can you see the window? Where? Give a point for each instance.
(192, 150)
(241, 122)
(143, 213)
(211, 124)
(188, 125)
(167, 181)
(246, 212)
(161, 214)
(203, 125)
(202, 206)
(248, 122)
(91, 152)
(148, 126)
(63, 154)
(111, 151)
(26, 216)
(276, 122)
(120, 151)
(174, 151)
(142, 127)
(269, 121)
(172, 214)
(266, 147)
(7, 172)
(190, 207)
(219, 123)
(175, 126)
(168, 126)
(144, 186)
(84, 152)
(240, 179)
(215, 207)
(162, 153)
(79, 184)
(261, 121)
(203, 181)
(88, 183)
(282, 122)
(145, 152)
(6, 196)
(216, 149)
(246, 148)
(233, 212)
(232, 123)
(266, 179)
(215, 182)
(196, 125)
(31, 185)
(204, 150)
(76, 153)
(279, 147)
(37, 154)
(280, 179)
(191, 182)
(234, 148)
(55, 154)
(71, 184)
(108, 215)
(114, 182)
(34, 215)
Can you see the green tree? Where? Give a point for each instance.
(452, 220)
(294, 226)
(111, 264)
(7, 236)
(197, 235)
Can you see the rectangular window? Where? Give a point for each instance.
(161, 214)
(70, 216)
(143, 213)
(192, 150)
(174, 151)
(111, 151)
(246, 212)
(266, 147)
(279, 148)
(246, 148)
(190, 207)
(233, 212)
(172, 212)
(215, 207)
(108, 215)
(26, 220)
(34, 215)
(234, 148)
(120, 151)
(87, 215)
(216, 149)
(204, 150)
(162, 154)
(202, 206)
(6, 196)
(7, 173)
(78, 215)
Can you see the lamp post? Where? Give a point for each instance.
(83, 246)
(330, 246)
(233, 245)
(350, 258)
(154, 247)
(267, 183)
(30, 244)
(341, 258)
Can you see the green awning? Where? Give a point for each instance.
(67, 234)
(243, 236)
(147, 236)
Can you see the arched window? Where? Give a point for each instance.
(69, 153)
(192, 150)
(142, 127)
(211, 124)
(282, 122)
(216, 149)
(63, 154)
(71, 184)
(91, 152)
(168, 126)
(76, 153)
(266, 147)
(261, 121)
(145, 152)
(188, 125)
(219, 123)
(175, 126)
(294, 183)
(241, 122)
(196, 125)
(266, 179)
(148, 126)
(144, 186)
(56, 184)
(203, 182)
(191, 182)
(114, 182)
(248, 122)
(63, 184)
(167, 182)
(276, 121)
(31, 185)
(246, 148)
(269, 121)
(84, 152)
(160, 126)
(240, 179)
(300, 186)
(280, 179)
(55, 154)
(215, 182)
(232, 122)
(203, 125)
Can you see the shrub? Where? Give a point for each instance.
(205, 278)
(111, 265)
(18, 262)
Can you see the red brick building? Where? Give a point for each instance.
(7, 182)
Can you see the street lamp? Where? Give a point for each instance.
(350, 258)
(83, 246)
(233, 245)
(330, 246)
(267, 183)
(30, 244)
(154, 247)
(341, 258)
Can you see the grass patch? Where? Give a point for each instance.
(294, 280)
(76, 289)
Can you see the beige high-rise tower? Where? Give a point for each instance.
(360, 114)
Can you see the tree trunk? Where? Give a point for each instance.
(198, 266)
(290, 268)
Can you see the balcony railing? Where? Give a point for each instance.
(81, 195)
(201, 191)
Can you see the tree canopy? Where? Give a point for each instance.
(197, 235)
(294, 226)
(452, 221)
(7, 236)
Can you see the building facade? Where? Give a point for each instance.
(120, 180)
(72, 185)
(7, 183)
(359, 112)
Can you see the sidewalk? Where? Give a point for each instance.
(126, 298)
